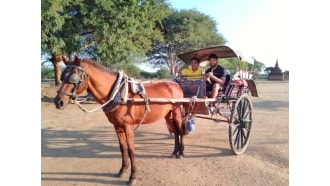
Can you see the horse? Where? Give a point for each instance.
(83, 75)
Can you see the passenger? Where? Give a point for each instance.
(215, 76)
(194, 70)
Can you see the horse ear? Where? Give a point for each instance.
(65, 60)
(77, 59)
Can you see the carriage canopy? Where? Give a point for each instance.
(202, 54)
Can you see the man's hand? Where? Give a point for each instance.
(210, 75)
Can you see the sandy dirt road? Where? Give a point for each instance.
(82, 149)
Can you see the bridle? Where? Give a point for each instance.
(74, 78)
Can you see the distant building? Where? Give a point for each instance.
(276, 73)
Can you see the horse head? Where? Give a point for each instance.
(74, 81)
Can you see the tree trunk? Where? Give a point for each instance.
(172, 59)
(56, 60)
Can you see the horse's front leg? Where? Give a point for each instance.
(130, 142)
(123, 149)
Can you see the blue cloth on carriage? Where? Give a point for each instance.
(191, 124)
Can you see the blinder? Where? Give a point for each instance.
(74, 78)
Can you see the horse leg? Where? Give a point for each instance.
(123, 149)
(172, 129)
(176, 146)
(177, 117)
(181, 147)
(130, 142)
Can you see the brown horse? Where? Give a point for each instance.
(87, 75)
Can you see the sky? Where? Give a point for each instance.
(257, 28)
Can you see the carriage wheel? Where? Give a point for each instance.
(240, 124)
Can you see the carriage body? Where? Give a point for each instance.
(238, 84)
(233, 100)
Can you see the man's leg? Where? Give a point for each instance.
(214, 93)
(215, 90)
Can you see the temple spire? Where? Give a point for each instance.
(276, 64)
(276, 73)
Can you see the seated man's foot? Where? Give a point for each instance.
(211, 109)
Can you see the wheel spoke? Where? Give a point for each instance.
(246, 114)
(239, 110)
(243, 109)
(235, 131)
(243, 134)
(237, 138)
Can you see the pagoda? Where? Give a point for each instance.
(276, 73)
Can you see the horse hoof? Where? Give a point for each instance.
(131, 182)
(173, 156)
(121, 174)
(179, 156)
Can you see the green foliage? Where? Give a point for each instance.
(148, 75)
(163, 73)
(131, 71)
(110, 31)
(258, 66)
(160, 74)
(261, 77)
(47, 73)
(286, 75)
(268, 69)
(229, 63)
(190, 30)
(184, 30)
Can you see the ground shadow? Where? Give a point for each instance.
(47, 99)
(81, 144)
(104, 144)
(271, 105)
(70, 177)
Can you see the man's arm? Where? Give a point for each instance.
(221, 80)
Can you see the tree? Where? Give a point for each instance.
(268, 69)
(107, 31)
(131, 71)
(258, 66)
(183, 31)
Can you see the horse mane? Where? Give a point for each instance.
(99, 66)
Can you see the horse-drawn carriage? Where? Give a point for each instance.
(233, 99)
(127, 102)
